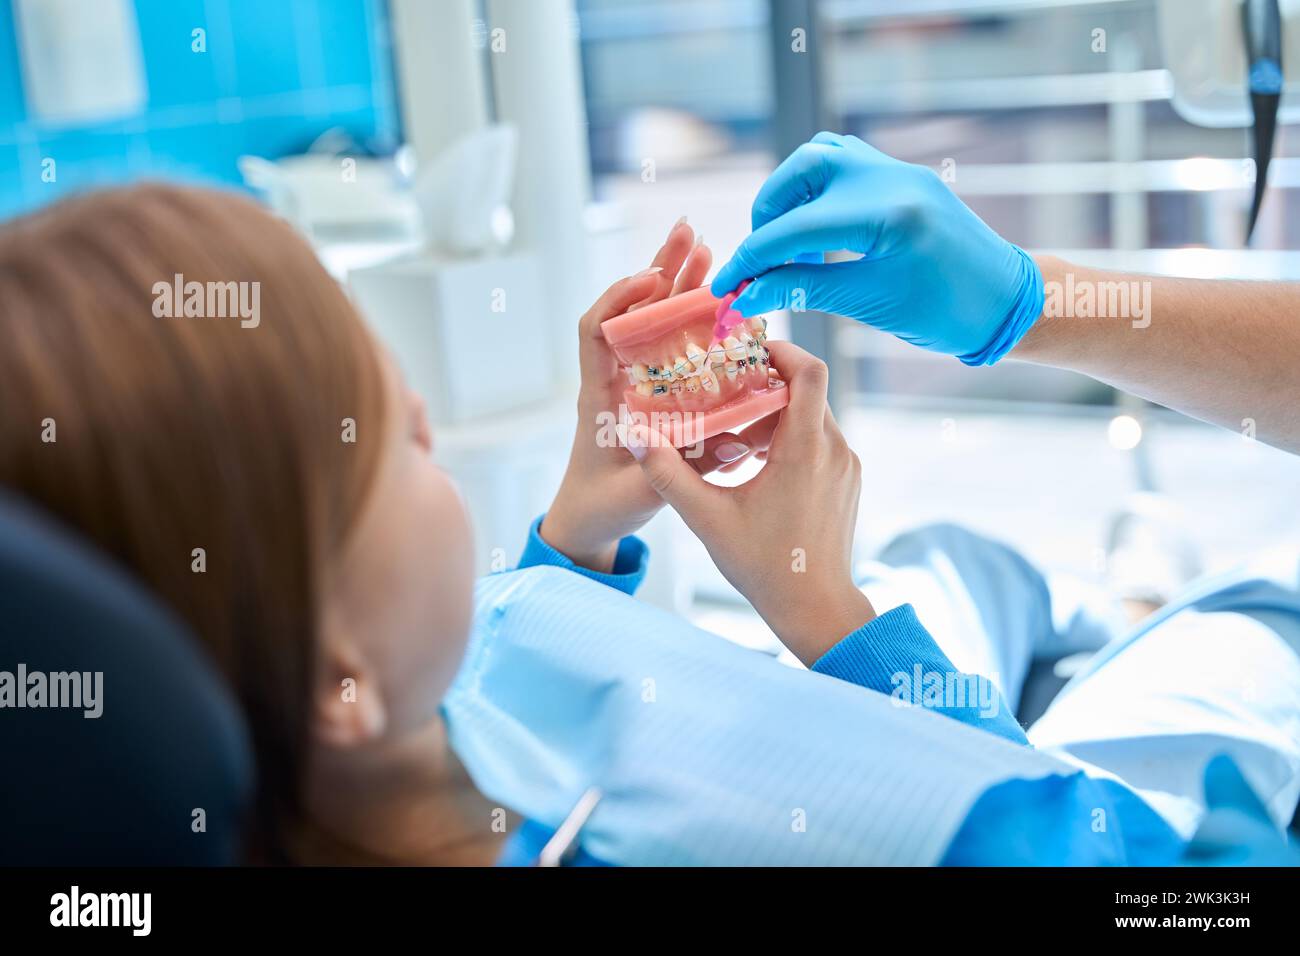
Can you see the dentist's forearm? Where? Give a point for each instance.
(1227, 352)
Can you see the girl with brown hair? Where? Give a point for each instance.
(335, 553)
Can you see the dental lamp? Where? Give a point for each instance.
(1226, 59)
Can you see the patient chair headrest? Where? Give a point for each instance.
(163, 775)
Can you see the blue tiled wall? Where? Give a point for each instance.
(276, 74)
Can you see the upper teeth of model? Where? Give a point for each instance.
(697, 370)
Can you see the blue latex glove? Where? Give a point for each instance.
(931, 272)
(1237, 831)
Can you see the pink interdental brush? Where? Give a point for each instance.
(727, 317)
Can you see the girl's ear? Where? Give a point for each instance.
(348, 709)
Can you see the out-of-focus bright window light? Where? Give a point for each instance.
(1124, 432)
(1202, 174)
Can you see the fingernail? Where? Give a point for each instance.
(699, 240)
(650, 271)
(730, 451)
(634, 439)
(679, 222)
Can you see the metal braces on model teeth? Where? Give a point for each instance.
(698, 370)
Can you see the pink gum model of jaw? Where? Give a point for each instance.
(686, 390)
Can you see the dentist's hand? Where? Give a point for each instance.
(785, 537)
(604, 496)
(931, 272)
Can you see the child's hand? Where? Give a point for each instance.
(604, 495)
(785, 537)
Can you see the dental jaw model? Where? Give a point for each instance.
(684, 383)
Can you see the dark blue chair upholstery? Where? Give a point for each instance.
(120, 789)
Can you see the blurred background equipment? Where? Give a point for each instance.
(1226, 58)
(219, 79)
(1114, 133)
(63, 84)
(304, 189)
(464, 193)
(1261, 27)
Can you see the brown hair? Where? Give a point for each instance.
(173, 434)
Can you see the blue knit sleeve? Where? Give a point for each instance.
(629, 563)
(895, 655)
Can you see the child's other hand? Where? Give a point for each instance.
(604, 495)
